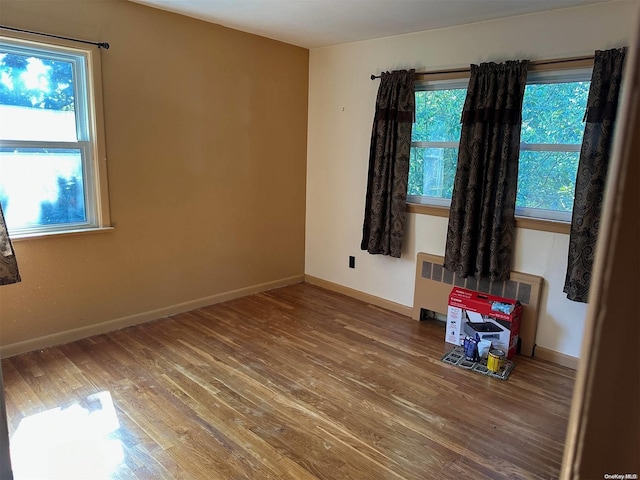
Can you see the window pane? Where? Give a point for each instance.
(438, 115)
(41, 187)
(553, 112)
(37, 100)
(432, 171)
(547, 180)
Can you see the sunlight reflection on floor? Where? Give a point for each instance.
(74, 442)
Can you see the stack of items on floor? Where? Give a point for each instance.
(484, 329)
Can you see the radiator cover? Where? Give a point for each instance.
(434, 283)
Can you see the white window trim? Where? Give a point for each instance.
(452, 84)
(435, 144)
(427, 200)
(95, 167)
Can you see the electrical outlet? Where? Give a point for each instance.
(352, 262)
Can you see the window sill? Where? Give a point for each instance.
(543, 225)
(432, 210)
(521, 222)
(66, 233)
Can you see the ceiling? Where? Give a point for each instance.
(320, 23)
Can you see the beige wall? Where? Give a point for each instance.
(206, 146)
(341, 106)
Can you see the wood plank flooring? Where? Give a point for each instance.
(295, 383)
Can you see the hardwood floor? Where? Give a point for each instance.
(297, 383)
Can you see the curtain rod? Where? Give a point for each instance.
(104, 45)
(534, 63)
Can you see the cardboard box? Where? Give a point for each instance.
(486, 316)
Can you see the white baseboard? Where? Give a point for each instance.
(118, 323)
(558, 358)
(362, 296)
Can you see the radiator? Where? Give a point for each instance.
(434, 283)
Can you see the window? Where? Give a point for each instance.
(552, 112)
(553, 109)
(434, 140)
(51, 180)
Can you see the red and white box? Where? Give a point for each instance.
(488, 317)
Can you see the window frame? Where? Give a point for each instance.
(577, 69)
(433, 85)
(551, 77)
(91, 142)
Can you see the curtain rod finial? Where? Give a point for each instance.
(104, 45)
(373, 77)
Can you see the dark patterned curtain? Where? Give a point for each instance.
(602, 106)
(482, 212)
(384, 213)
(8, 265)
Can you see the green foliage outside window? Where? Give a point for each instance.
(438, 115)
(41, 160)
(554, 112)
(437, 120)
(552, 128)
(551, 114)
(432, 172)
(28, 81)
(547, 180)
